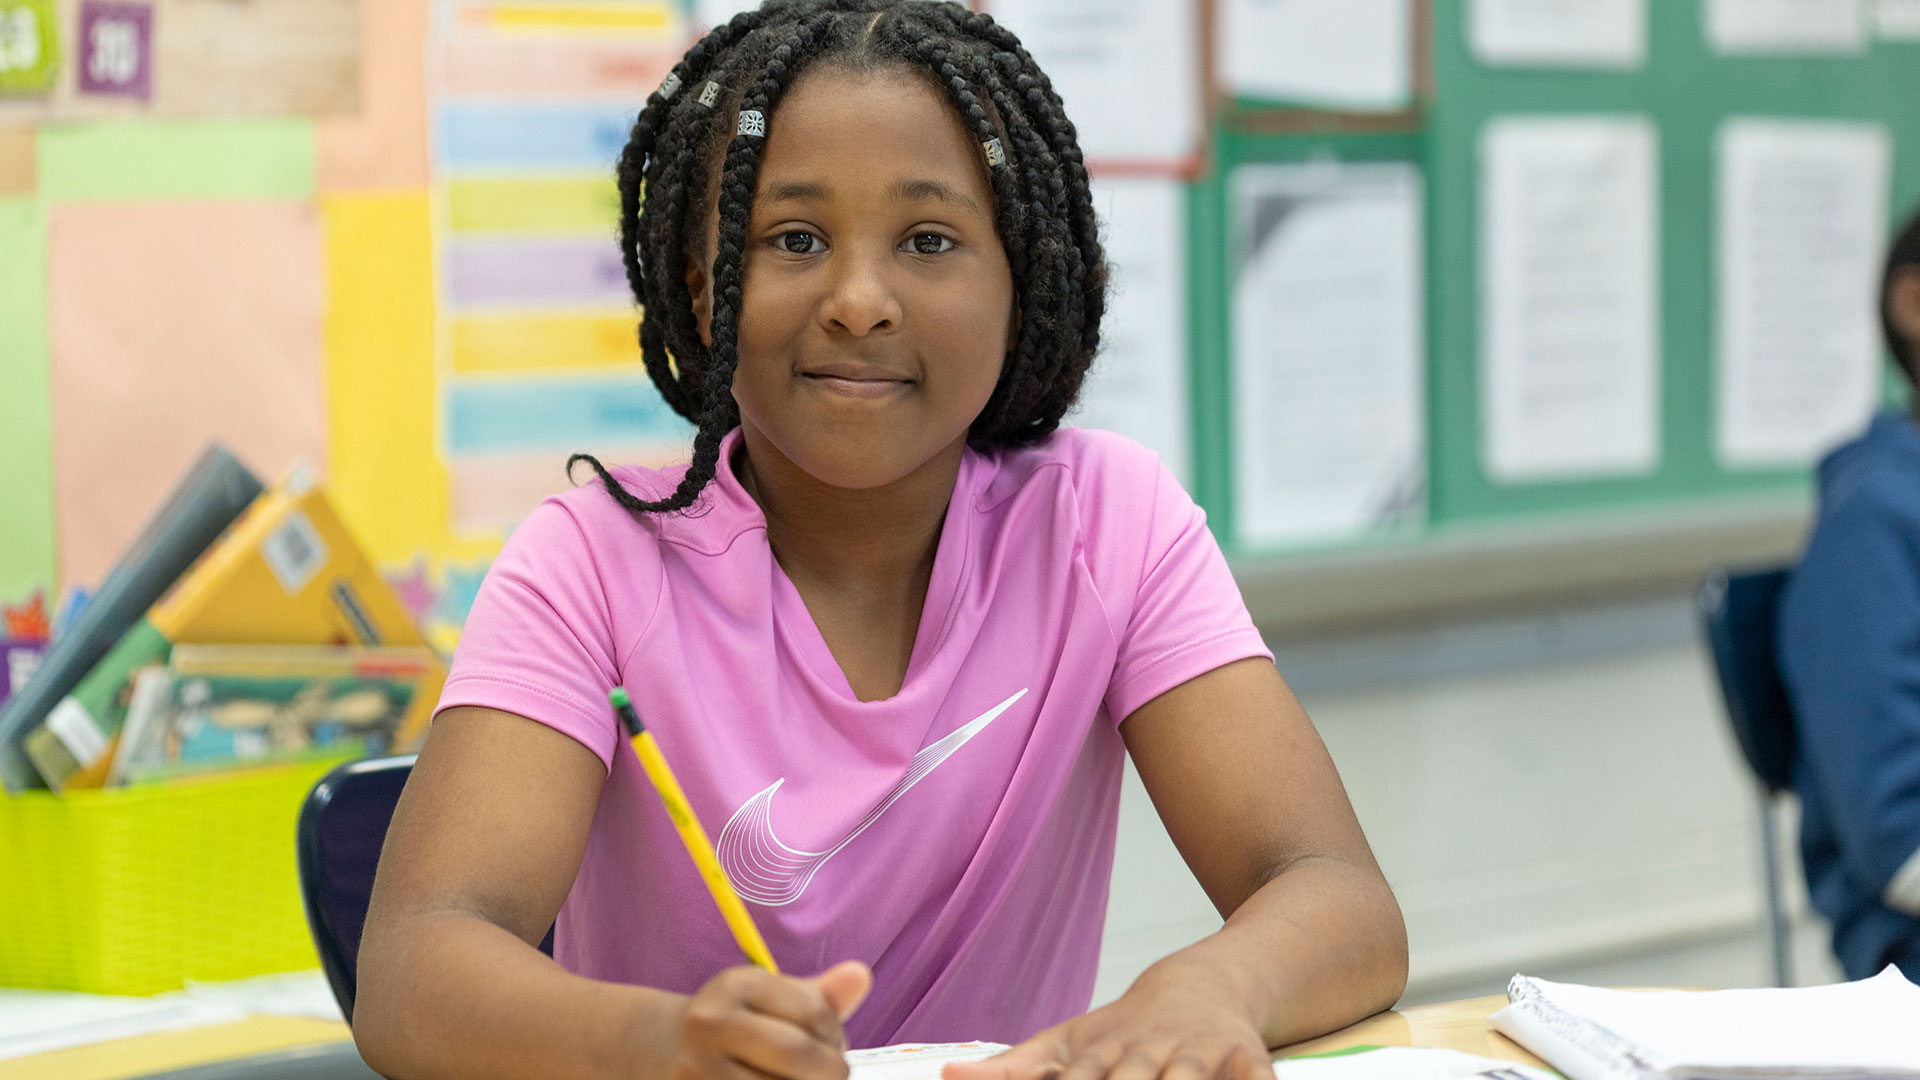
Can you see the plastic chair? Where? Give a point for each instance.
(1738, 611)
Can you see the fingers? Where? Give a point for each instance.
(777, 1048)
(771, 1027)
(845, 986)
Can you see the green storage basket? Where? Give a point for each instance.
(136, 890)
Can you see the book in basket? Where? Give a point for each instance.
(214, 707)
(287, 572)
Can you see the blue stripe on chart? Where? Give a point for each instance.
(530, 413)
(532, 136)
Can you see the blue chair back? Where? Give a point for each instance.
(1738, 610)
(342, 827)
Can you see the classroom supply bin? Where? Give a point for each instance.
(136, 890)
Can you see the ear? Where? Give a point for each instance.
(701, 289)
(1903, 306)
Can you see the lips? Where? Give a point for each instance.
(856, 379)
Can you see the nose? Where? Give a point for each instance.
(860, 298)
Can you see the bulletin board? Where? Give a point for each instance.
(1546, 528)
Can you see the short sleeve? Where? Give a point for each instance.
(1179, 610)
(540, 640)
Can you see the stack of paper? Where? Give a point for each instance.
(1866, 1029)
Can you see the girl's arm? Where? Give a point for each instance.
(1313, 937)
(483, 849)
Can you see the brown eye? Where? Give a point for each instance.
(798, 243)
(928, 243)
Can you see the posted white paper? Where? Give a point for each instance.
(1329, 388)
(1802, 219)
(1569, 280)
(1337, 54)
(1787, 26)
(1127, 70)
(1897, 20)
(1138, 383)
(1559, 33)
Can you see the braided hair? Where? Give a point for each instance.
(1043, 209)
(1904, 255)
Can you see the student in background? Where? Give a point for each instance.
(1849, 648)
(896, 631)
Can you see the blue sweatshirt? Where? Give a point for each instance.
(1849, 649)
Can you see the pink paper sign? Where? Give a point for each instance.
(116, 49)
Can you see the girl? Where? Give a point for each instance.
(892, 627)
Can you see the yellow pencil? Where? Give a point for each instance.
(732, 908)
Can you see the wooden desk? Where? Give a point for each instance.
(1456, 1025)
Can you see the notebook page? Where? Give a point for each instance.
(915, 1061)
(1867, 1026)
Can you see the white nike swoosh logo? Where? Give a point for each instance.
(768, 872)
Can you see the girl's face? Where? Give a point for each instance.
(877, 302)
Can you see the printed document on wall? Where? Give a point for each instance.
(1802, 220)
(1336, 54)
(1569, 286)
(1138, 383)
(1559, 33)
(1787, 26)
(1127, 70)
(1329, 345)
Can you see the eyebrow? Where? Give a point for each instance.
(901, 191)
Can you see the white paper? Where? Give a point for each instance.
(1787, 26)
(1559, 33)
(1127, 70)
(1802, 220)
(915, 1061)
(1339, 54)
(708, 14)
(1569, 288)
(1329, 390)
(1859, 1028)
(36, 1022)
(1138, 383)
(1897, 20)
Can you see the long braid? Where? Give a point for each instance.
(1043, 211)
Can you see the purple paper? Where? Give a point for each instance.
(18, 659)
(116, 48)
(570, 272)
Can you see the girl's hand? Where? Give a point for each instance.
(1166, 1027)
(749, 1024)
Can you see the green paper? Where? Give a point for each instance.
(152, 159)
(27, 559)
(29, 46)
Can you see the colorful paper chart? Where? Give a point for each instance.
(536, 336)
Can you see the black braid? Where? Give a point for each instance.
(668, 178)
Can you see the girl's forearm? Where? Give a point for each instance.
(453, 995)
(1319, 946)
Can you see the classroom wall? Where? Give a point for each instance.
(1554, 792)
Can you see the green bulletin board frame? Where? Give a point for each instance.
(1687, 90)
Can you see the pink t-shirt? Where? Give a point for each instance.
(958, 837)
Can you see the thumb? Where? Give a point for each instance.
(1040, 1056)
(845, 985)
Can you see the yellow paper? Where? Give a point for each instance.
(387, 477)
(173, 324)
(498, 343)
(559, 205)
(17, 162)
